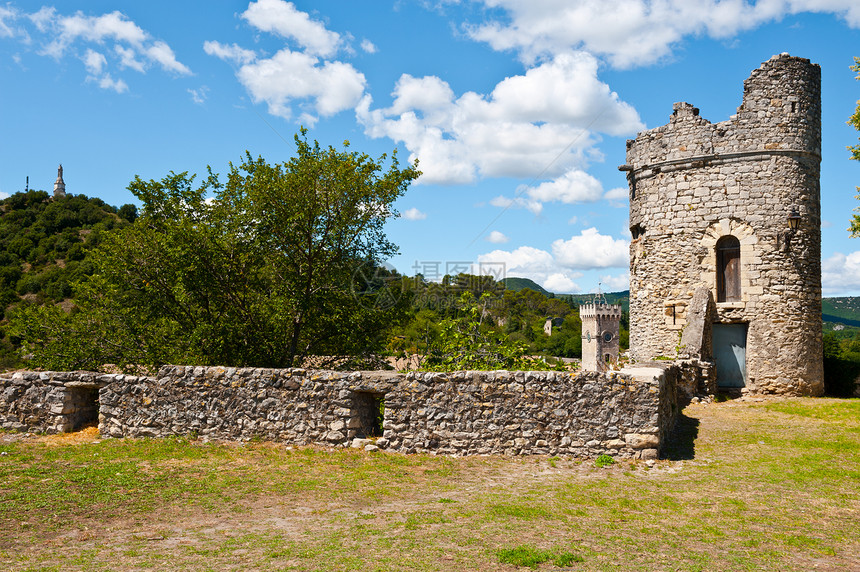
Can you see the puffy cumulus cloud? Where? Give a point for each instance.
(4, 195)
(497, 237)
(120, 42)
(633, 32)
(617, 197)
(414, 214)
(107, 82)
(128, 59)
(840, 274)
(288, 76)
(368, 46)
(303, 77)
(162, 53)
(285, 20)
(591, 250)
(560, 283)
(94, 62)
(536, 264)
(540, 124)
(113, 27)
(573, 187)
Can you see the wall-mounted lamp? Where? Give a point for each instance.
(783, 239)
(793, 219)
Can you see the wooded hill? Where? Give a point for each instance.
(44, 245)
(43, 249)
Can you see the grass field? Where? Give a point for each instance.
(751, 485)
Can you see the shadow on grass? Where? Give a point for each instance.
(682, 441)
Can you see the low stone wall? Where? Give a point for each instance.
(459, 413)
(50, 402)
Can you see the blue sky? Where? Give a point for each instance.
(518, 110)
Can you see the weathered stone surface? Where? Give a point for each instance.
(697, 336)
(458, 413)
(49, 401)
(693, 182)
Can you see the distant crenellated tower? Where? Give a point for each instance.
(59, 184)
(731, 211)
(601, 325)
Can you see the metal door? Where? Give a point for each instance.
(730, 353)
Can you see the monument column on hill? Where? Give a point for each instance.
(59, 184)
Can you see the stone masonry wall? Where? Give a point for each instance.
(693, 182)
(459, 413)
(50, 402)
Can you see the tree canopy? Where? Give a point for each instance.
(263, 269)
(855, 149)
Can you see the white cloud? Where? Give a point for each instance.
(43, 18)
(368, 46)
(591, 250)
(94, 62)
(120, 43)
(161, 53)
(560, 284)
(4, 195)
(199, 96)
(617, 197)
(287, 76)
(617, 283)
(517, 202)
(840, 274)
(282, 18)
(414, 214)
(535, 264)
(8, 14)
(497, 237)
(128, 59)
(575, 186)
(107, 82)
(633, 32)
(113, 26)
(540, 124)
(318, 86)
(233, 53)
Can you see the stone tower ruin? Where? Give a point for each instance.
(601, 324)
(730, 212)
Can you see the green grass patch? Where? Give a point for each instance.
(530, 556)
(769, 486)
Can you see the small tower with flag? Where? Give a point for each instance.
(601, 326)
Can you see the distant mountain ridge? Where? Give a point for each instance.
(517, 284)
(838, 310)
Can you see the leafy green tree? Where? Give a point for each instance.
(467, 343)
(274, 268)
(855, 149)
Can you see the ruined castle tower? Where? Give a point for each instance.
(59, 184)
(712, 206)
(601, 323)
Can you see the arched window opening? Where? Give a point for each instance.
(728, 269)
